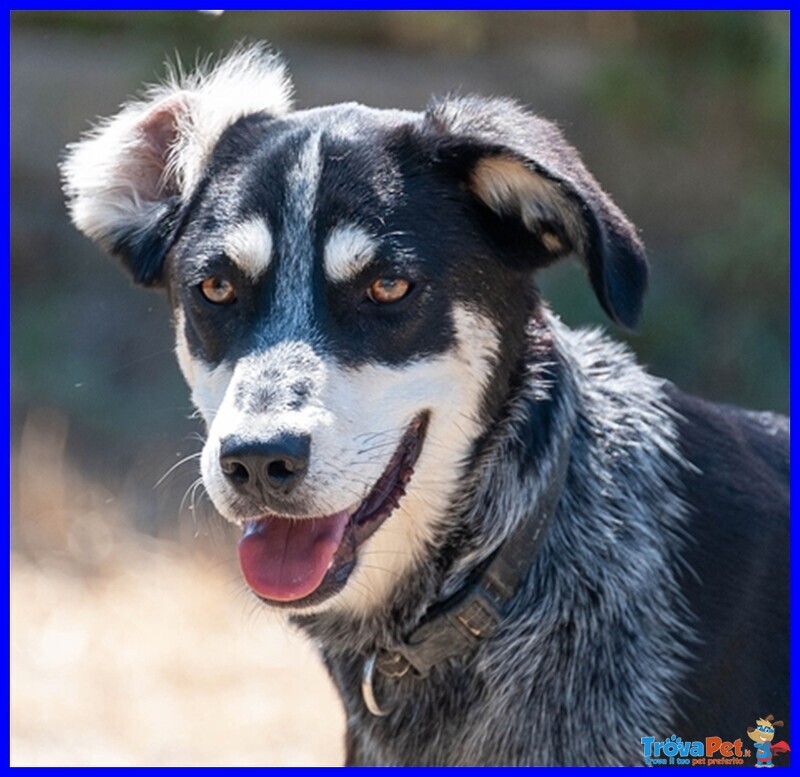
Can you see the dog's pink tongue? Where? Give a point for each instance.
(284, 560)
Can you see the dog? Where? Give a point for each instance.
(511, 544)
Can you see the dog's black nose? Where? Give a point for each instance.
(263, 468)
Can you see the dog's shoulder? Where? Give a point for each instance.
(737, 493)
(744, 452)
(737, 484)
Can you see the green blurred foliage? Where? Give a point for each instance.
(720, 321)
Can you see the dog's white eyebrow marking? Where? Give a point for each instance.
(348, 250)
(249, 247)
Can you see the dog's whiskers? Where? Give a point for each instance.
(377, 446)
(184, 460)
(191, 495)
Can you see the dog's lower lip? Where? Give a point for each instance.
(302, 561)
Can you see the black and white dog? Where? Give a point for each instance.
(510, 543)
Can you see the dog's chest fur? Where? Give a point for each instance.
(596, 640)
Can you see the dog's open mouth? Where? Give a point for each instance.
(302, 561)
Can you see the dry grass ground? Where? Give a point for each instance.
(126, 650)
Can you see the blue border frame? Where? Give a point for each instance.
(409, 6)
(6, 482)
(794, 211)
(453, 5)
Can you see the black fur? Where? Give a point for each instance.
(738, 555)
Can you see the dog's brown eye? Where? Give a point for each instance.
(218, 290)
(386, 290)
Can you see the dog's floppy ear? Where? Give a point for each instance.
(520, 166)
(126, 180)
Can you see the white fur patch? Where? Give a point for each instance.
(247, 81)
(117, 175)
(507, 186)
(208, 384)
(249, 247)
(452, 386)
(348, 250)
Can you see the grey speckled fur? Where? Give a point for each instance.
(595, 642)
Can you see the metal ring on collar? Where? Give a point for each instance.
(367, 689)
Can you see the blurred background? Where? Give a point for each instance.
(132, 639)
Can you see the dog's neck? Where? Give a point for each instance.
(456, 626)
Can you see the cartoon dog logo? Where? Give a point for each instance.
(762, 735)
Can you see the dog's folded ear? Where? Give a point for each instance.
(126, 180)
(521, 167)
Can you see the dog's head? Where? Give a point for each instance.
(350, 289)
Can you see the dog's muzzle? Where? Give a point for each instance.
(301, 561)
